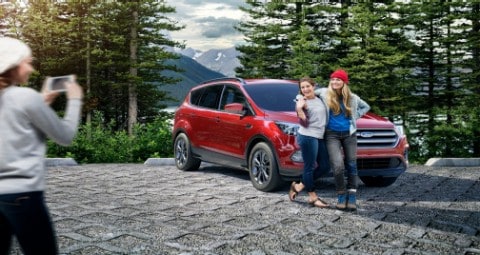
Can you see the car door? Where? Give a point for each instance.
(232, 129)
(204, 118)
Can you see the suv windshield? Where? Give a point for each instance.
(273, 96)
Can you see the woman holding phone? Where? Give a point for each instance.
(26, 122)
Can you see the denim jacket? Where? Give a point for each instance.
(359, 107)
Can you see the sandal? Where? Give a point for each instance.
(322, 205)
(292, 193)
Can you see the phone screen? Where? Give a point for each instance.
(59, 83)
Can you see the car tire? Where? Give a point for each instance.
(263, 168)
(377, 181)
(184, 159)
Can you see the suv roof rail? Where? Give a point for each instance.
(225, 78)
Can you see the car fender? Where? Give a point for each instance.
(182, 127)
(255, 140)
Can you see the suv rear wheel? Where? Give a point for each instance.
(183, 154)
(263, 168)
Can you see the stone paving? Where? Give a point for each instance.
(141, 209)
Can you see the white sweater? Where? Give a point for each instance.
(26, 121)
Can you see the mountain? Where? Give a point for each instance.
(194, 73)
(220, 60)
(189, 52)
(199, 67)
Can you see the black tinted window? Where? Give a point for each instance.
(195, 96)
(232, 95)
(274, 97)
(207, 97)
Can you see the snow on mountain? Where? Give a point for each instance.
(220, 60)
(223, 61)
(189, 52)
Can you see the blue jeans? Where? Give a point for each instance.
(342, 150)
(26, 216)
(315, 160)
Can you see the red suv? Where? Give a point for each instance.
(251, 124)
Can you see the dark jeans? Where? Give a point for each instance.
(342, 150)
(315, 160)
(26, 216)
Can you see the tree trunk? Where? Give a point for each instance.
(132, 86)
(476, 80)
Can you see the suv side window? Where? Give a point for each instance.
(195, 96)
(232, 95)
(207, 97)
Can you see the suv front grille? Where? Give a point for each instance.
(376, 138)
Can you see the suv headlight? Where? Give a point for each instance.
(400, 130)
(287, 127)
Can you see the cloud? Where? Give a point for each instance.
(230, 3)
(209, 23)
(217, 27)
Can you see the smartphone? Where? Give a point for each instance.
(58, 83)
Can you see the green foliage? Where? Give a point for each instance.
(99, 143)
(303, 48)
(451, 141)
(117, 58)
(267, 48)
(416, 62)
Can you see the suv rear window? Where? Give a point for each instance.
(207, 97)
(273, 97)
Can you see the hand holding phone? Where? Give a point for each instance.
(59, 83)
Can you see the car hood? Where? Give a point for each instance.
(369, 120)
(281, 116)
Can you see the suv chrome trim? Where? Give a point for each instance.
(377, 138)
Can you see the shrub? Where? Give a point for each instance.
(98, 143)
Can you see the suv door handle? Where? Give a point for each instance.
(248, 125)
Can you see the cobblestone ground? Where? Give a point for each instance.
(140, 209)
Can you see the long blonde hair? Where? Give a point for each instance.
(333, 100)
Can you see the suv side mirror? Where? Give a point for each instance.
(235, 108)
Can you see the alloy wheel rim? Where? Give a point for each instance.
(181, 153)
(261, 167)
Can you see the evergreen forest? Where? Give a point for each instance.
(415, 62)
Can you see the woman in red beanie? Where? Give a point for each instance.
(340, 136)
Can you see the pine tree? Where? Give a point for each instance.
(373, 60)
(471, 110)
(303, 61)
(120, 62)
(267, 48)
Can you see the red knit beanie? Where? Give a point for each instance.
(340, 74)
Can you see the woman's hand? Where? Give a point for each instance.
(74, 91)
(48, 96)
(299, 107)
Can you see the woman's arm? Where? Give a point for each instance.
(362, 107)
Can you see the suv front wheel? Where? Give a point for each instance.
(183, 154)
(263, 168)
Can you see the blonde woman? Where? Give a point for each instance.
(340, 136)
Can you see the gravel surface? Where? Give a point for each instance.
(142, 209)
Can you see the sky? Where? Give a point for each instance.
(209, 23)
